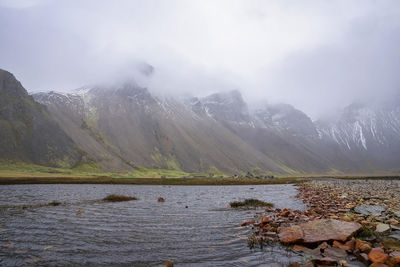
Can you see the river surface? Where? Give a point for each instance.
(192, 227)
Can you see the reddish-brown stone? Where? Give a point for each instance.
(291, 234)
(363, 246)
(395, 257)
(328, 229)
(378, 264)
(347, 247)
(377, 255)
(264, 219)
(248, 223)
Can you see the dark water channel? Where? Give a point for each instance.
(135, 233)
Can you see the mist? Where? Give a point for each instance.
(316, 55)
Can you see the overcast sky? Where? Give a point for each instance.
(316, 55)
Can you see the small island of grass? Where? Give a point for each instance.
(250, 203)
(118, 198)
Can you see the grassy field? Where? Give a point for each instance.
(25, 173)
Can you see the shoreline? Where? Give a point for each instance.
(183, 181)
(346, 222)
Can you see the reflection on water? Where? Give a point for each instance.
(192, 227)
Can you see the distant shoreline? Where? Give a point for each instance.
(179, 181)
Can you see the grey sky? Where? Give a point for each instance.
(317, 55)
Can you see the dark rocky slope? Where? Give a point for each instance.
(27, 130)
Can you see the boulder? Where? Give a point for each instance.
(328, 229)
(377, 255)
(318, 231)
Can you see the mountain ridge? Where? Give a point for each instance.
(124, 126)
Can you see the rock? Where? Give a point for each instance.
(335, 253)
(382, 228)
(294, 264)
(395, 257)
(377, 255)
(285, 213)
(363, 257)
(169, 263)
(363, 246)
(351, 244)
(328, 229)
(290, 235)
(264, 219)
(161, 199)
(248, 223)
(395, 227)
(349, 265)
(347, 247)
(303, 249)
(323, 246)
(308, 264)
(376, 264)
(270, 234)
(370, 210)
(326, 261)
(395, 235)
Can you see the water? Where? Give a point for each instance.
(135, 233)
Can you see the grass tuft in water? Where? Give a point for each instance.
(118, 198)
(250, 203)
(54, 203)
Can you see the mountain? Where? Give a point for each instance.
(367, 133)
(28, 132)
(123, 126)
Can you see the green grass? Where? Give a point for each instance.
(250, 203)
(15, 172)
(118, 198)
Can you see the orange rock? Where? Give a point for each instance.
(365, 248)
(378, 264)
(264, 219)
(291, 234)
(377, 255)
(285, 213)
(361, 243)
(349, 246)
(169, 263)
(395, 257)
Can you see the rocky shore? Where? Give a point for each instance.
(347, 223)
